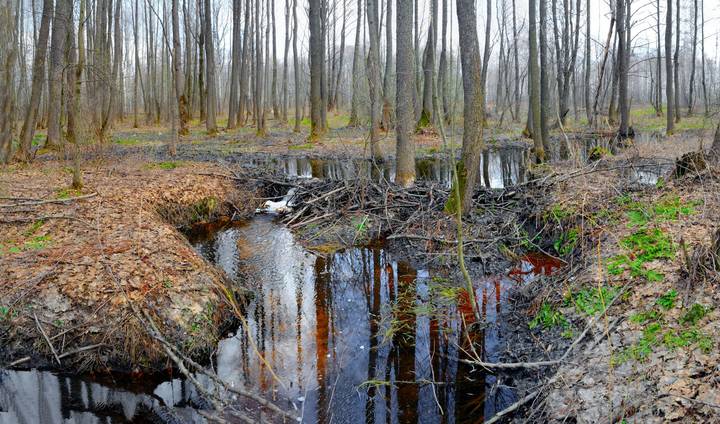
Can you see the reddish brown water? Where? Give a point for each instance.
(355, 337)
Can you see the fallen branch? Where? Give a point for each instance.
(62, 356)
(47, 340)
(45, 202)
(510, 365)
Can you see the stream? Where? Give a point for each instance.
(499, 168)
(352, 337)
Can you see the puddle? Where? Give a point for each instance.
(339, 348)
(499, 168)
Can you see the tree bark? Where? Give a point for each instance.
(588, 108)
(57, 65)
(405, 106)
(357, 66)
(211, 108)
(623, 57)
(473, 110)
(676, 63)
(544, 83)
(31, 114)
(236, 58)
(426, 114)
(296, 67)
(374, 77)
(387, 110)
(669, 89)
(691, 98)
(534, 86)
(318, 126)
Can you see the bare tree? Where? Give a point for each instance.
(318, 126)
(426, 114)
(405, 107)
(473, 108)
(296, 68)
(8, 57)
(355, 102)
(669, 89)
(691, 98)
(57, 63)
(31, 113)
(211, 118)
(235, 58)
(676, 64)
(387, 110)
(623, 16)
(373, 74)
(534, 85)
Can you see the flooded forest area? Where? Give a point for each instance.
(359, 211)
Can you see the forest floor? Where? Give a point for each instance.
(72, 260)
(641, 273)
(642, 278)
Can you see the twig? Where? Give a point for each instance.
(52, 348)
(510, 365)
(44, 202)
(62, 356)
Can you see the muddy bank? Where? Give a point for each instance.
(71, 261)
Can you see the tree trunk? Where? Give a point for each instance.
(177, 110)
(374, 77)
(469, 166)
(31, 114)
(57, 55)
(357, 66)
(288, 23)
(244, 65)
(274, 90)
(691, 98)
(676, 63)
(236, 58)
(544, 83)
(318, 126)
(534, 86)
(669, 89)
(706, 100)
(443, 69)
(405, 106)
(259, 74)
(658, 68)
(623, 56)
(588, 109)
(210, 121)
(7, 96)
(517, 62)
(387, 110)
(426, 114)
(296, 68)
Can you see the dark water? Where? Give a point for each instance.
(354, 337)
(499, 168)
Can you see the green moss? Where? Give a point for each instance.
(592, 301)
(453, 203)
(695, 314)
(167, 165)
(306, 146)
(643, 246)
(548, 316)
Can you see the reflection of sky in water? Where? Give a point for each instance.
(499, 168)
(321, 324)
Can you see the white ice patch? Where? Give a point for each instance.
(280, 208)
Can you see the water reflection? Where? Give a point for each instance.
(355, 337)
(500, 168)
